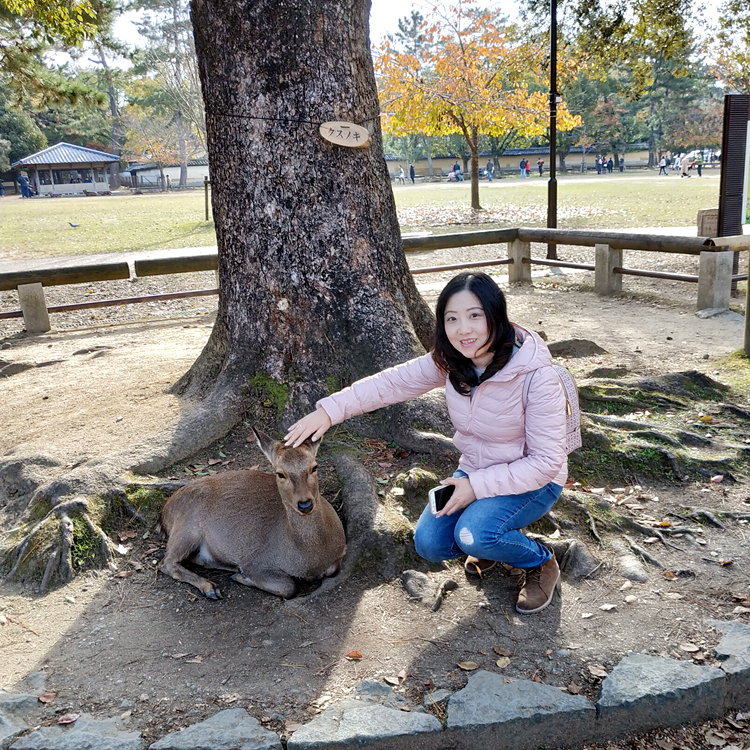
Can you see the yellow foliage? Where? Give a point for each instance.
(472, 75)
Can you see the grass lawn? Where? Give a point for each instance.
(124, 222)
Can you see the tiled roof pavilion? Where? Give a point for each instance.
(67, 169)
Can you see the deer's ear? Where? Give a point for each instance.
(313, 446)
(265, 443)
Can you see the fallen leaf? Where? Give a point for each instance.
(717, 478)
(126, 715)
(597, 670)
(129, 534)
(573, 688)
(664, 524)
(467, 666)
(666, 744)
(555, 534)
(292, 726)
(214, 461)
(608, 607)
(669, 575)
(598, 490)
(391, 680)
(673, 595)
(68, 718)
(501, 651)
(230, 698)
(587, 615)
(503, 662)
(706, 418)
(429, 685)
(353, 656)
(716, 739)
(726, 562)
(691, 648)
(124, 574)
(631, 599)
(180, 656)
(740, 610)
(627, 585)
(651, 540)
(194, 660)
(536, 678)
(47, 697)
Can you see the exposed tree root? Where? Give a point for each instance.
(642, 552)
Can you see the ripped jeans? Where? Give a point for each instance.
(488, 529)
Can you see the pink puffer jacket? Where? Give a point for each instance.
(505, 449)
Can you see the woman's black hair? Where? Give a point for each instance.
(501, 334)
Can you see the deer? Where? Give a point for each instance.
(267, 529)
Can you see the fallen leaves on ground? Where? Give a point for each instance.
(597, 670)
(467, 666)
(68, 718)
(354, 656)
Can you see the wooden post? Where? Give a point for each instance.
(607, 258)
(34, 308)
(518, 271)
(205, 192)
(715, 280)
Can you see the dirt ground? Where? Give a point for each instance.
(147, 648)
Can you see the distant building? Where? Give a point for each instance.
(67, 169)
(148, 176)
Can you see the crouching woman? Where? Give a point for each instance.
(508, 406)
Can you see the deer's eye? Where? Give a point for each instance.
(280, 475)
(314, 468)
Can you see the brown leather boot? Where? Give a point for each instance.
(476, 567)
(538, 588)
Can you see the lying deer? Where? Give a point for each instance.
(269, 529)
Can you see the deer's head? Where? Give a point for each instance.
(296, 471)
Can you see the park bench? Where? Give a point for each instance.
(714, 279)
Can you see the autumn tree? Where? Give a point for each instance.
(473, 76)
(152, 136)
(731, 46)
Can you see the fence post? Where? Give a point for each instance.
(33, 307)
(518, 271)
(205, 194)
(715, 280)
(607, 258)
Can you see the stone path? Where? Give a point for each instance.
(641, 693)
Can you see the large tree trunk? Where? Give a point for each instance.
(182, 144)
(314, 286)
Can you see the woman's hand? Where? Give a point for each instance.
(462, 496)
(316, 424)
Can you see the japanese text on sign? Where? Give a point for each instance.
(345, 134)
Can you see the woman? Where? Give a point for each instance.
(508, 407)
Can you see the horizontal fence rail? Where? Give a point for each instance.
(608, 247)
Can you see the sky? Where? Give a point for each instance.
(384, 17)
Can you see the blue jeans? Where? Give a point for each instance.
(488, 529)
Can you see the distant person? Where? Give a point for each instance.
(663, 166)
(622, 163)
(400, 176)
(490, 168)
(684, 167)
(23, 184)
(676, 165)
(2, 190)
(540, 165)
(598, 164)
(528, 168)
(411, 173)
(699, 163)
(610, 165)
(522, 166)
(457, 173)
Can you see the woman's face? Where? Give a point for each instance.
(466, 327)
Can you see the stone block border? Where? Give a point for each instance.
(642, 693)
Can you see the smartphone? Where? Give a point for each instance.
(439, 497)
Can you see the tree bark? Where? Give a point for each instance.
(315, 290)
(473, 146)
